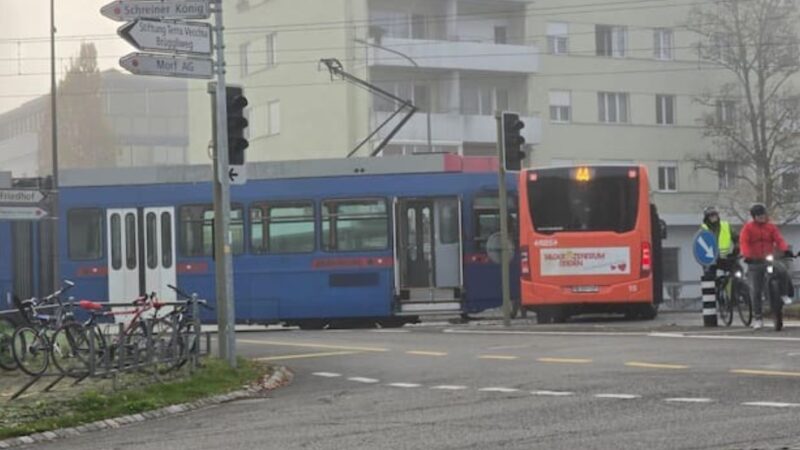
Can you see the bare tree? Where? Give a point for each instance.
(752, 119)
(85, 138)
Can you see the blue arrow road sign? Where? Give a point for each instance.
(705, 248)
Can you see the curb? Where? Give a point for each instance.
(280, 377)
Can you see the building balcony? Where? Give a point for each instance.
(454, 128)
(455, 55)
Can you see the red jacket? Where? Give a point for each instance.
(757, 240)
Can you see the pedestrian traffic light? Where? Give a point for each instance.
(512, 141)
(237, 122)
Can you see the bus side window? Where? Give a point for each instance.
(85, 234)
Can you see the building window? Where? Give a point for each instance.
(244, 51)
(354, 225)
(396, 24)
(560, 106)
(612, 107)
(274, 108)
(483, 100)
(500, 35)
(726, 112)
(668, 176)
(557, 38)
(728, 172)
(258, 55)
(662, 43)
(422, 97)
(665, 109)
(611, 40)
(85, 234)
(270, 51)
(264, 120)
(282, 227)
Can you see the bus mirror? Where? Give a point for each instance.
(663, 226)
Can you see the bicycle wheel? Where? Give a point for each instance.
(137, 349)
(31, 351)
(6, 335)
(168, 345)
(70, 350)
(724, 303)
(744, 304)
(776, 302)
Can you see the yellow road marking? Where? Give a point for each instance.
(773, 373)
(304, 355)
(645, 365)
(501, 357)
(565, 360)
(422, 353)
(312, 345)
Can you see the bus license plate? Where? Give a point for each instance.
(585, 289)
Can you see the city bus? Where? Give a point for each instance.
(590, 242)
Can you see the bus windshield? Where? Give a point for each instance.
(584, 199)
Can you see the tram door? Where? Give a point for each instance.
(428, 250)
(141, 253)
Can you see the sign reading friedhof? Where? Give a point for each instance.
(20, 196)
(125, 10)
(168, 36)
(167, 65)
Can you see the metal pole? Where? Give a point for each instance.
(503, 199)
(222, 208)
(54, 138)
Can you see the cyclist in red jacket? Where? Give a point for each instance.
(760, 238)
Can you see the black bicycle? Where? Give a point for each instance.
(733, 292)
(773, 291)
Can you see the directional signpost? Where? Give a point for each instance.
(17, 196)
(237, 175)
(706, 252)
(167, 66)
(21, 213)
(124, 10)
(160, 36)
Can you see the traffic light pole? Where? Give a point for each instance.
(503, 200)
(222, 205)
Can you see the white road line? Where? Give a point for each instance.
(327, 374)
(504, 390)
(723, 337)
(619, 396)
(773, 404)
(405, 385)
(449, 387)
(688, 400)
(390, 331)
(552, 393)
(363, 380)
(547, 333)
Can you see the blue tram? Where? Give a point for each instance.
(314, 242)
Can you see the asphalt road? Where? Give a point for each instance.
(592, 384)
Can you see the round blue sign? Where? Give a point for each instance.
(706, 250)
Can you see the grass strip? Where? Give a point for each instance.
(46, 414)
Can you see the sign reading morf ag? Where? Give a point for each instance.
(167, 65)
(585, 261)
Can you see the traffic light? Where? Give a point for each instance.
(512, 141)
(236, 102)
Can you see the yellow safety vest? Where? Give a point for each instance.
(724, 240)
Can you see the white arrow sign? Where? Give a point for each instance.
(167, 66)
(21, 213)
(237, 174)
(124, 10)
(20, 196)
(706, 248)
(180, 37)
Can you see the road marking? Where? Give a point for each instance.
(501, 357)
(405, 385)
(312, 345)
(503, 390)
(449, 387)
(364, 380)
(327, 374)
(772, 404)
(772, 373)
(688, 400)
(304, 355)
(724, 337)
(565, 360)
(425, 353)
(547, 333)
(390, 331)
(552, 393)
(646, 365)
(618, 396)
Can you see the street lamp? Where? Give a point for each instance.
(54, 143)
(414, 63)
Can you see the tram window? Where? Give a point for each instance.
(486, 214)
(130, 241)
(166, 240)
(116, 242)
(151, 247)
(197, 230)
(448, 222)
(85, 232)
(354, 225)
(282, 227)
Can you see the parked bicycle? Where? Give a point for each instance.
(733, 292)
(175, 333)
(6, 336)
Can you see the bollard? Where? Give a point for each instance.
(709, 291)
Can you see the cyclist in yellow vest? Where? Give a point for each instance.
(725, 234)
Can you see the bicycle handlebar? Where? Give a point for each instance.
(180, 292)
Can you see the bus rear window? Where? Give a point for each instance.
(584, 199)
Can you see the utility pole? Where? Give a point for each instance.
(503, 200)
(54, 221)
(222, 204)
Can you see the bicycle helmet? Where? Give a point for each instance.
(710, 211)
(758, 209)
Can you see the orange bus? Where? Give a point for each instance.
(590, 242)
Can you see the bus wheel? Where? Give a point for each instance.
(394, 322)
(543, 317)
(649, 312)
(311, 324)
